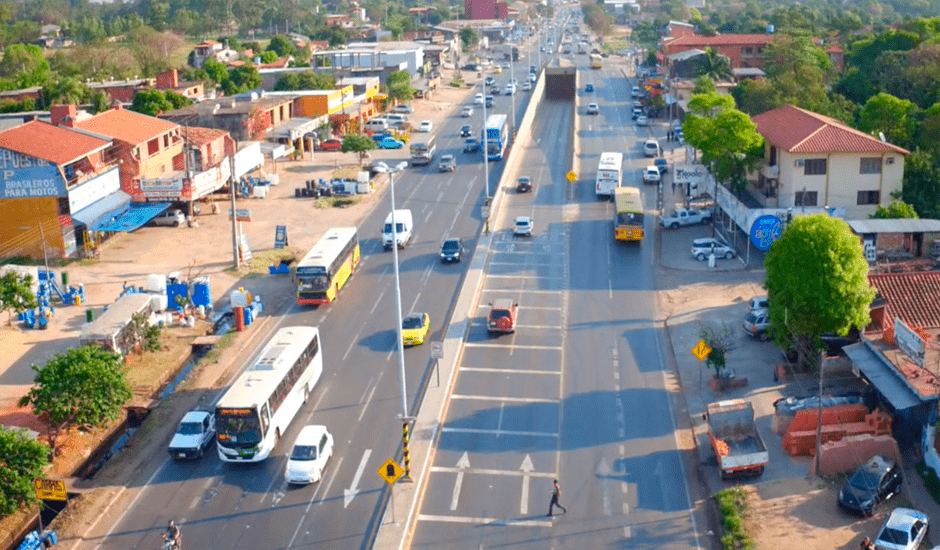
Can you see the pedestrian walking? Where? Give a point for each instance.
(673, 187)
(556, 494)
(866, 544)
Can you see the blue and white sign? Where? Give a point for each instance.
(26, 177)
(765, 230)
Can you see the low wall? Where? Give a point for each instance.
(846, 455)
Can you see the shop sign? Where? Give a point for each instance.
(26, 177)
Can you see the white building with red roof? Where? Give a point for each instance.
(812, 160)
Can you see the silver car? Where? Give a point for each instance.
(904, 529)
(173, 217)
(703, 248)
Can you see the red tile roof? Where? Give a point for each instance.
(834, 48)
(696, 41)
(199, 135)
(36, 138)
(127, 126)
(797, 130)
(914, 297)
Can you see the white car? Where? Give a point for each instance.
(403, 109)
(703, 248)
(478, 99)
(526, 86)
(635, 91)
(642, 121)
(532, 78)
(593, 109)
(651, 175)
(425, 126)
(523, 226)
(173, 217)
(510, 89)
(651, 148)
(904, 529)
(194, 435)
(466, 111)
(313, 448)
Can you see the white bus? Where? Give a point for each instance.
(258, 407)
(609, 172)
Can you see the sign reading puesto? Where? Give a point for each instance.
(24, 177)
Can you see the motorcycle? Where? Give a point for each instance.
(170, 544)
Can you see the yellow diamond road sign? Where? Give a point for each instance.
(701, 350)
(390, 471)
(571, 176)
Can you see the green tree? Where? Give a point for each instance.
(468, 37)
(24, 460)
(65, 91)
(354, 143)
(817, 283)
(856, 85)
(646, 33)
(281, 46)
(16, 294)
(26, 64)
(756, 96)
(150, 102)
(216, 71)
(928, 135)
(399, 86)
(307, 80)
(713, 65)
(83, 386)
(10, 106)
(704, 85)
(890, 115)
(897, 209)
(727, 138)
(100, 102)
(921, 186)
(721, 341)
(241, 79)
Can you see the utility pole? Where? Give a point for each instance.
(822, 360)
(235, 240)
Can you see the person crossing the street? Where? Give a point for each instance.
(556, 495)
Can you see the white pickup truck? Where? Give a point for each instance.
(193, 437)
(685, 216)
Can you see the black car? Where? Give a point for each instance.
(873, 483)
(466, 130)
(524, 185)
(451, 250)
(489, 101)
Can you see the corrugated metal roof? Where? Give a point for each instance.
(883, 376)
(797, 130)
(894, 225)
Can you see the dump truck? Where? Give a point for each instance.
(737, 443)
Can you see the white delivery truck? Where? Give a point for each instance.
(404, 225)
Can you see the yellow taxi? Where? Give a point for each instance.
(414, 327)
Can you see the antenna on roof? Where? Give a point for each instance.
(881, 136)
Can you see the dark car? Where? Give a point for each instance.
(662, 164)
(331, 145)
(524, 185)
(451, 250)
(471, 145)
(490, 81)
(873, 483)
(589, 88)
(489, 100)
(466, 130)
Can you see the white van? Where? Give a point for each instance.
(377, 125)
(396, 120)
(651, 148)
(404, 224)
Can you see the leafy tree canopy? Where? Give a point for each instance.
(154, 102)
(862, 53)
(921, 187)
(281, 46)
(817, 281)
(897, 209)
(890, 115)
(308, 80)
(83, 386)
(354, 143)
(16, 294)
(24, 459)
(399, 86)
(468, 37)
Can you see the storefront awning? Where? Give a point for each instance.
(131, 219)
(103, 208)
(883, 376)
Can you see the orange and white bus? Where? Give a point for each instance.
(326, 268)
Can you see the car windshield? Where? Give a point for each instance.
(450, 246)
(752, 319)
(522, 223)
(411, 322)
(893, 536)
(304, 452)
(864, 479)
(190, 428)
(499, 314)
(524, 180)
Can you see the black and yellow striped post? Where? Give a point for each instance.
(405, 435)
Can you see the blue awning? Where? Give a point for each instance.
(131, 219)
(105, 207)
(883, 376)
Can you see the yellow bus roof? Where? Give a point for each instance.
(627, 199)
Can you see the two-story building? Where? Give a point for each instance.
(743, 50)
(54, 182)
(812, 160)
(210, 49)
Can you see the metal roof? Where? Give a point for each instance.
(883, 376)
(894, 225)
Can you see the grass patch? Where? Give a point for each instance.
(731, 506)
(330, 202)
(347, 172)
(456, 83)
(931, 481)
(258, 264)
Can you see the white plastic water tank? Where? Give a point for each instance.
(159, 302)
(156, 283)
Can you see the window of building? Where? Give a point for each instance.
(153, 146)
(814, 167)
(869, 197)
(870, 165)
(773, 155)
(805, 198)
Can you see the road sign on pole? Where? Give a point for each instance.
(50, 489)
(390, 471)
(437, 350)
(571, 176)
(701, 350)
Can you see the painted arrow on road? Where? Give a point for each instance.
(350, 494)
(603, 472)
(526, 468)
(463, 464)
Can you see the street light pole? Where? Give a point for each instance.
(398, 330)
(512, 81)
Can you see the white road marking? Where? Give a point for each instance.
(462, 466)
(516, 346)
(377, 301)
(369, 400)
(350, 494)
(510, 371)
(486, 521)
(503, 432)
(526, 468)
(507, 399)
(499, 422)
(351, 344)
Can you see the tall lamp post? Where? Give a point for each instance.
(382, 167)
(512, 80)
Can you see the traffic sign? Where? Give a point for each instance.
(390, 471)
(571, 176)
(485, 211)
(49, 489)
(437, 350)
(701, 350)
